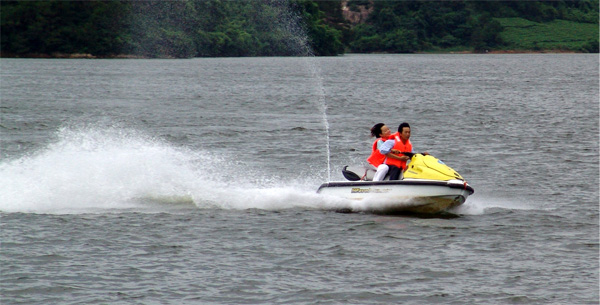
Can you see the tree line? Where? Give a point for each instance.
(409, 26)
(208, 28)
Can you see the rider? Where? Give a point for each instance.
(402, 144)
(381, 132)
(382, 150)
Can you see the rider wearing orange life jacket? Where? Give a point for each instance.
(402, 143)
(377, 159)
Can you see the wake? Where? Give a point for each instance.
(93, 169)
(97, 170)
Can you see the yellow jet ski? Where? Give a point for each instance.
(427, 186)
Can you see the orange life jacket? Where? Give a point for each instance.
(376, 158)
(399, 145)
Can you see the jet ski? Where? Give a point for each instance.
(428, 186)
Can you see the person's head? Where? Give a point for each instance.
(404, 131)
(379, 130)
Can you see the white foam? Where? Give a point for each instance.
(97, 169)
(478, 204)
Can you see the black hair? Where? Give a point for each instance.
(402, 126)
(376, 130)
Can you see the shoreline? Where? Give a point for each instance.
(126, 56)
(518, 52)
(73, 56)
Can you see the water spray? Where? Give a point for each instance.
(293, 24)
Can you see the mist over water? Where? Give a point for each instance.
(293, 24)
(94, 169)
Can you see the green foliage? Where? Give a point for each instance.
(486, 33)
(414, 26)
(404, 27)
(189, 28)
(524, 34)
(324, 40)
(48, 27)
(184, 28)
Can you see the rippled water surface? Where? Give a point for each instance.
(194, 181)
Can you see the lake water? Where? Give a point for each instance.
(194, 181)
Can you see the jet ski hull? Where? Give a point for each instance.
(408, 195)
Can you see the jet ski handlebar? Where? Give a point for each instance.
(408, 154)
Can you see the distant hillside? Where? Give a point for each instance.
(523, 34)
(204, 28)
(425, 26)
